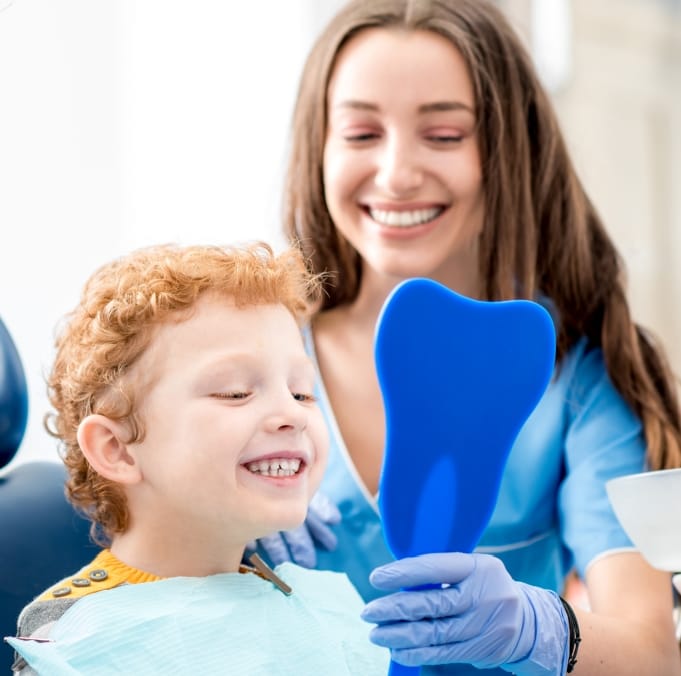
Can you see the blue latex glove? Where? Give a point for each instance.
(480, 617)
(298, 545)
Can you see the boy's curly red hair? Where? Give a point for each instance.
(112, 326)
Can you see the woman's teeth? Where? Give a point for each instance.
(275, 467)
(405, 219)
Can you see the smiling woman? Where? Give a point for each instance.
(424, 145)
(403, 180)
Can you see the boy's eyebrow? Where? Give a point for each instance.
(229, 359)
(434, 107)
(226, 364)
(234, 361)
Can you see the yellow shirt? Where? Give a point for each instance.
(104, 572)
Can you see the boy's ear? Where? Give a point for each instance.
(102, 442)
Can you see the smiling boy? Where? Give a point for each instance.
(183, 402)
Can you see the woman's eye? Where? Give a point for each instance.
(359, 136)
(301, 396)
(445, 138)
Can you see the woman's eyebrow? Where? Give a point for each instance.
(434, 107)
(355, 104)
(444, 106)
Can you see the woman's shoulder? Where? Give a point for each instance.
(582, 364)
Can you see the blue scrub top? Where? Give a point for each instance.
(552, 513)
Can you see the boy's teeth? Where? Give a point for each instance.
(404, 219)
(275, 467)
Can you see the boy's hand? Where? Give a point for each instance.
(298, 545)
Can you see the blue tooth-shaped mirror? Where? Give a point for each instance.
(459, 378)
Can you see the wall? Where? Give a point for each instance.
(128, 122)
(125, 123)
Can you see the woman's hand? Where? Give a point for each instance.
(480, 617)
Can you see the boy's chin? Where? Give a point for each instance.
(283, 523)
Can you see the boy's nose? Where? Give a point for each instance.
(287, 414)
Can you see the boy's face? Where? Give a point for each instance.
(235, 444)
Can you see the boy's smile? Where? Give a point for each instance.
(286, 464)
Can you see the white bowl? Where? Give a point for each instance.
(648, 506)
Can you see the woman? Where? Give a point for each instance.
(424, 145)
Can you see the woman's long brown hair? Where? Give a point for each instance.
(541, 235)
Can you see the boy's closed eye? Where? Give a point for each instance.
(236, 395)
(304, 397)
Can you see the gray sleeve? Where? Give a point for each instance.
(36, 621)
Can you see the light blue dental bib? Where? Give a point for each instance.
(228, 623)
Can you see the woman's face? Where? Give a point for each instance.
(402, 174)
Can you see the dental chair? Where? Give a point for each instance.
(42, 538)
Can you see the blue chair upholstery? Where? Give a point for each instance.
(13, 398)
(42, 538)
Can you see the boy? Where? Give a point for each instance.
(183, 402)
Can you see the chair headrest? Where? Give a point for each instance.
(13, 398)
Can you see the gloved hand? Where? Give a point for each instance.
(480, 617)
(298, 545)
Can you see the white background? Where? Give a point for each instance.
(130, 122)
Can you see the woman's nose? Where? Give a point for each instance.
(398, 172)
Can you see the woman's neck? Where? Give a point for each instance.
(363, 311)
